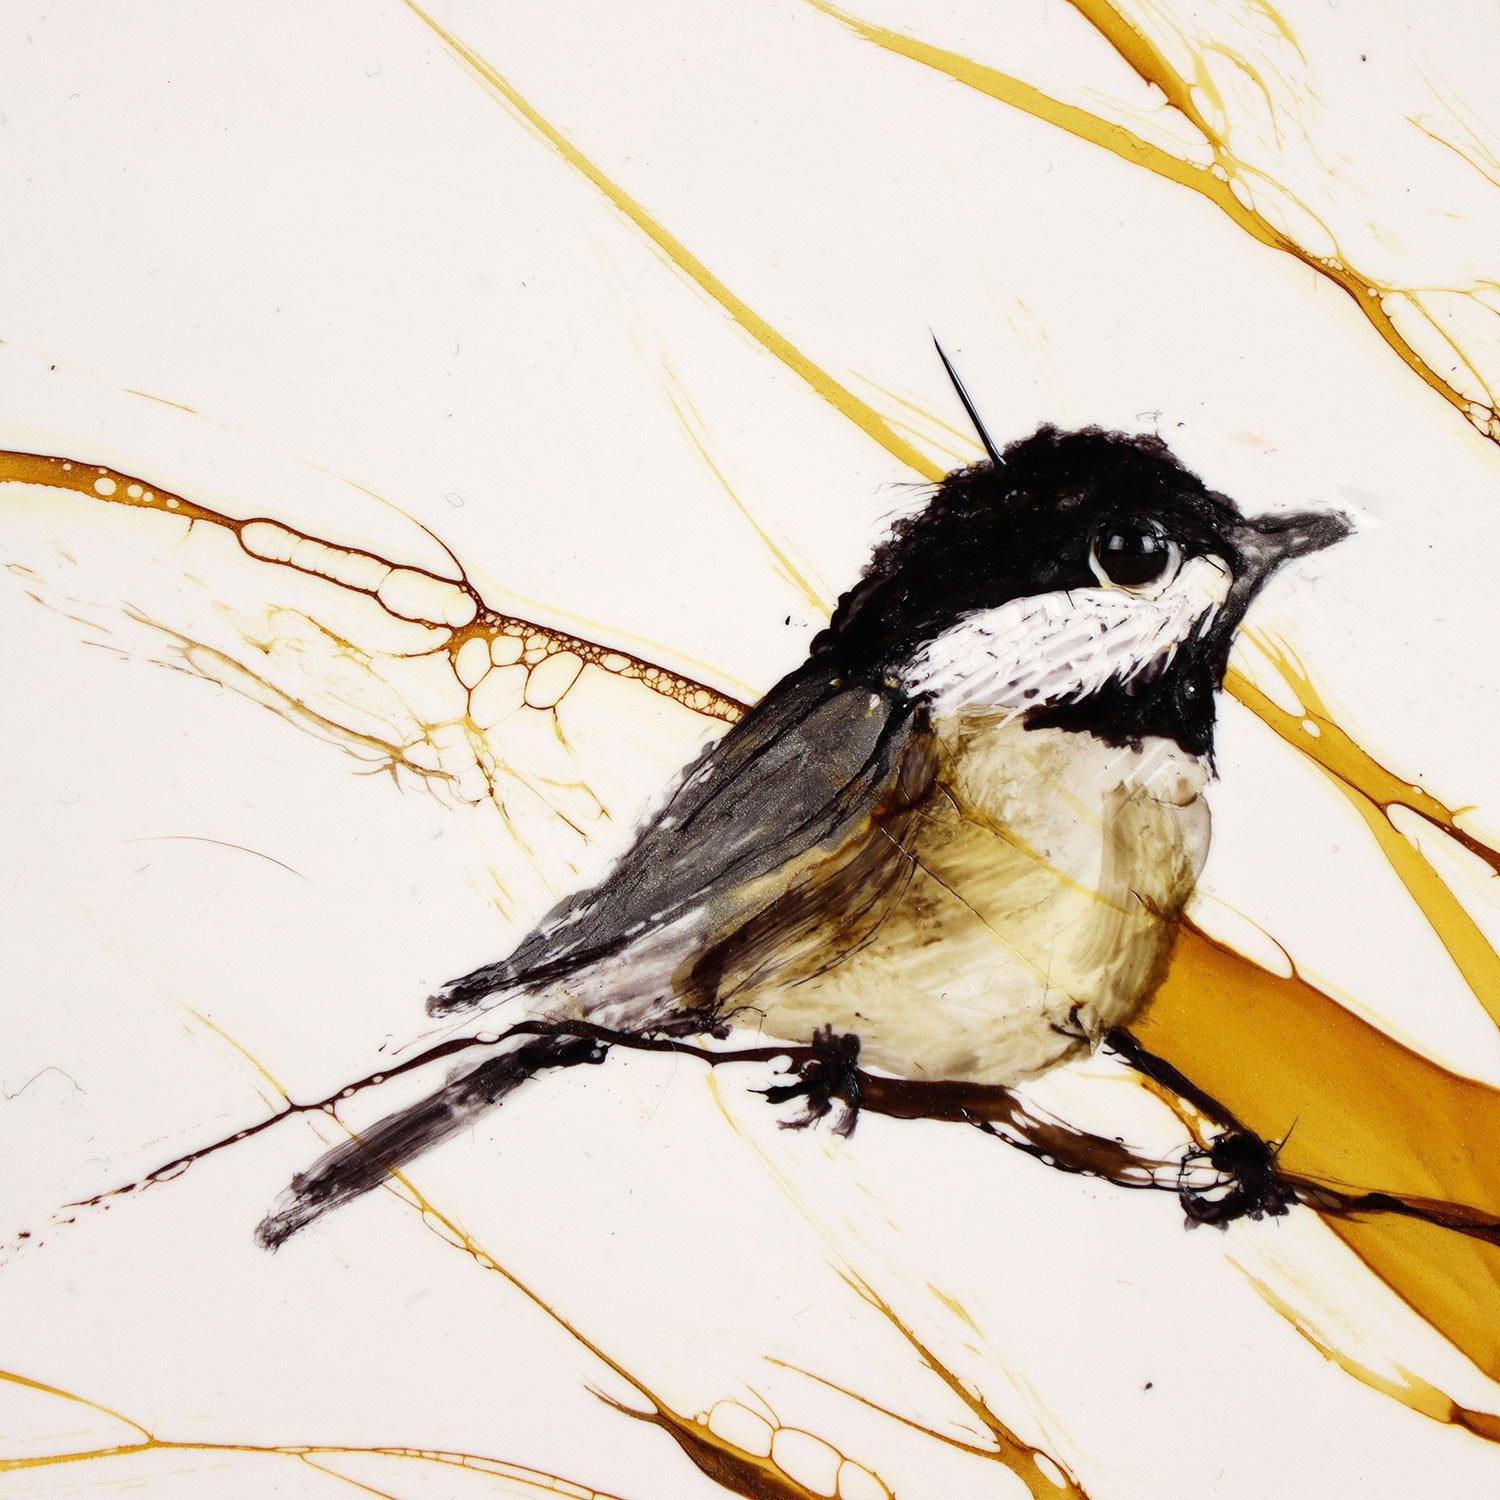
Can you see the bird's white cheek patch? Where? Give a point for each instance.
(1065, 646)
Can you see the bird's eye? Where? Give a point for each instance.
(1133, 555)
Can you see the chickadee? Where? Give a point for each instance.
(962, 832)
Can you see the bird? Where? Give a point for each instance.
(955, 842)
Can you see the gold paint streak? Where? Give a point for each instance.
(746, 1474)
(1274, 1050)
(1407, 1388)
(1478, 154)
(11, 1378)
(1451, 1282)
(955, 1307)
(492, 623)
(1372, 789)
(731, 1468)
(1224, 1020)
(1458, 932)
(693, 428)
(533, 1478)
(1330, 747)
(1118, 140)
(1141, 55)
(837, 395)
(1016, 1454)
(160, 400)
(358, 1484)
(1368, 1112)
(215, 666)
(947, 1439)
(934, 429)
(537, 1480)
(1149, 64)
(1186, 1116)
(1438, 326)
(249, 1057)
(1010, 1451)
(446, 1228)
(1460, 935)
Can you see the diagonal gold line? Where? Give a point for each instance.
(839, 396)
(1405, 1386)
(1149, 64)
(10, 1377)
(696, 433)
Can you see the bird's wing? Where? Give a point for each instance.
(809, 768)
(818, 765)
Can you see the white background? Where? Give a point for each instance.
(310, 226)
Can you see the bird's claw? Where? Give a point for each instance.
(829, 1072)
(1233, 1177)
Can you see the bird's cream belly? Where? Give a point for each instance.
(1046, 882)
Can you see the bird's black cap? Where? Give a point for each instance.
(1026, 524)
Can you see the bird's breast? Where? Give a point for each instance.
(1047, 873)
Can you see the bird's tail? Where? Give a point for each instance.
(352, 1169)
(466, 993)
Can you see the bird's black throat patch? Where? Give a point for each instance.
(1178, 705)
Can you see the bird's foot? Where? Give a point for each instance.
(827, 1072)
(1233, 1177)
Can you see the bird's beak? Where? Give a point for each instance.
(1266, 542)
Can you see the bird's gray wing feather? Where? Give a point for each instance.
(812, 766)
(800, 771)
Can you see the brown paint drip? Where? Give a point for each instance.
(404, 591)
(733, 1468)
(499, 662)
(1452, 1285)
(728, 1467)
(1355, 769)
(1335, 751)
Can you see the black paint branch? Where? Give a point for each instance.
(1247, 1180)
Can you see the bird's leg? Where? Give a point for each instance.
(827, 1070)
(1248, 1183)
(1243, 1180)
(1247, 1176)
